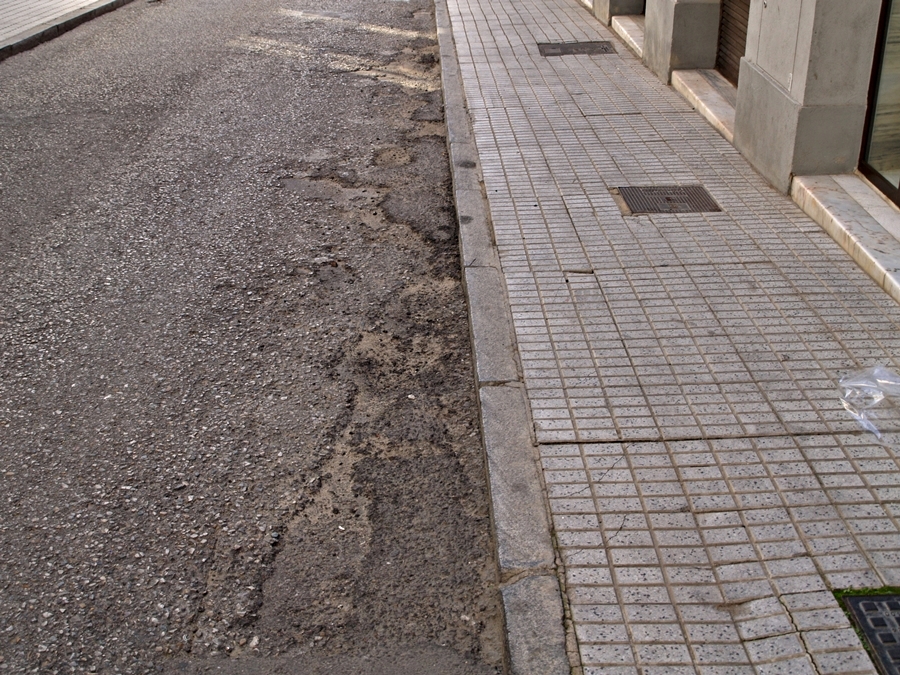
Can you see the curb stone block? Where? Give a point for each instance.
(534, 616)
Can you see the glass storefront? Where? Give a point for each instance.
(881, 151)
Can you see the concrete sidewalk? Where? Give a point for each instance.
(706, 489)
(26, 23)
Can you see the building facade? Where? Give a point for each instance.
(818, 81)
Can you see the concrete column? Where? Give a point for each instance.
(680, 35)
(605, 10)
(804, 84)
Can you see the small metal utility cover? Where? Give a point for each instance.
(878, 616)
(569, 48)
(668, 199)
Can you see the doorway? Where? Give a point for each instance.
(735, 18)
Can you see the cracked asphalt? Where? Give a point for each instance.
(237, 413)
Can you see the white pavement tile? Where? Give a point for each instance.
(20, 16)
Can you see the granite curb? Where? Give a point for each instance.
(47, 31)
(530, 587)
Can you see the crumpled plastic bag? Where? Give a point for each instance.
(872, 396)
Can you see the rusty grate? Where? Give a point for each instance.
(668, 199)
(878, 617)
(570, 48)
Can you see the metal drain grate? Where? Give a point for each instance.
(668, 199)
(878, 616)
(570, 48)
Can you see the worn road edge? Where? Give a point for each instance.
(532, 601)
(56, 27)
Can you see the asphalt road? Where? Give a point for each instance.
(237, 415)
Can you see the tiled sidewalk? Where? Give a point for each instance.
(22, 18)
(708, 491)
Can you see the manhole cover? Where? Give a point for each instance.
(668, 199)
(878, 616)
(569, 48)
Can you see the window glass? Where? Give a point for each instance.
(883, 149)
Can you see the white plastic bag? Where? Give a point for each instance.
(872, 396)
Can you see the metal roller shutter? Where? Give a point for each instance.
(732, 37)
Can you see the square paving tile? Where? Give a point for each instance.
(707, 488)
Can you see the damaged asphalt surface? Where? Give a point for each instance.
(237, 410)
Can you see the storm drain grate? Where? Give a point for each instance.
(878, 616)
(570, 48)
(668, 199)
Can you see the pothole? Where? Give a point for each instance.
(328, 190)
(394, 156)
